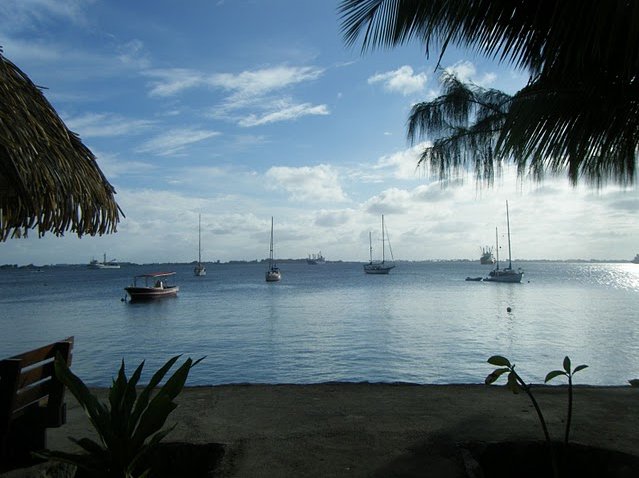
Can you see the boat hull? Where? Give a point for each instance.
(505, 275)
(378, 268)
(273, 276)
(151, 293)
(199, 271)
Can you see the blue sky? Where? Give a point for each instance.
(246, 109)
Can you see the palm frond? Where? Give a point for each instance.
(590, 132)
(578, 113)
(49, 180)
(466, 121)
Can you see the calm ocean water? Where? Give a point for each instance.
(423, 323)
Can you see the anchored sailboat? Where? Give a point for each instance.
(378, 267)
(507, 274)
(199, 269)
(273, 273)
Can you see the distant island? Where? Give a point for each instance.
(304, 261)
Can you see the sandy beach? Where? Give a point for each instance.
(344, 429)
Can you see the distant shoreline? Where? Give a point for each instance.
(303, 261)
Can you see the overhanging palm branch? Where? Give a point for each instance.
(49, 180)
(467, 120)
(540, 130)
(531, 34)
(578, 112)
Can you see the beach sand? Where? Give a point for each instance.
(362, 429)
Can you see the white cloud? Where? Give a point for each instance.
(244, 86)
(174, 141)
(466, 72)
(170, 82)
(248, 90)
(260, 82)
(318, 183)
(403, 80)
(402, 164)
(22, 14)
(113, 167)
(291, 112)
(94, 125)
(134, 53)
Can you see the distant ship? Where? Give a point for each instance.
(315, 259)
(95, 264)
(487, 255)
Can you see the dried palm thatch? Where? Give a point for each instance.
(49, 180)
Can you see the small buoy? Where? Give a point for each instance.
(508, 309)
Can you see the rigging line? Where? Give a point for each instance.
(389, 244)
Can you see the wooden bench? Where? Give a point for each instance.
(31, 400)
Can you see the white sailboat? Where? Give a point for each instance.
(199, 269)
(379, 267)
(273, 273)
(508, 274)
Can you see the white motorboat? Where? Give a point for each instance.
(158, 289)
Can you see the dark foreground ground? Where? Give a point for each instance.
(357, 430)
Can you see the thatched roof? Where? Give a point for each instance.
(49, 180)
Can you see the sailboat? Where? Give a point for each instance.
(199, 269)
(507, 274)
(378, 267)
(273, 273)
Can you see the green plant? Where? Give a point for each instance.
(130, 426)
(516, 383)
(567, 372)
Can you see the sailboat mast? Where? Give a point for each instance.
(383, 257)
(497, 245)
(510, 261)
(270, 258)
(370, 244)
(199, 239)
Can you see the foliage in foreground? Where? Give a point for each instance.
(129, 426)
(515, 383)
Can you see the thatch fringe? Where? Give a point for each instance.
(49, 180)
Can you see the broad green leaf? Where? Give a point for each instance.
(198, 361)
(175, 383)
(153, 418)
(553, 374)
(81, 461)
(499, 361)
(129, 398)
(88, 444)
(78, 389)
(143, 399)
(567, 364)
(579, 368)
(495, 374)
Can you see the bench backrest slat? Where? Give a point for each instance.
(34, 382)
(29, 377)
(32, 395)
